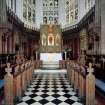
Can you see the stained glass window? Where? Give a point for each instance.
(29, 10)
(25, 11)
(34, 16)
(71, 11)
(50, 10)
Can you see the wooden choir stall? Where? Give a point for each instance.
(17, 78)
(82, 80)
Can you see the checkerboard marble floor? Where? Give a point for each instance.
(50, 89)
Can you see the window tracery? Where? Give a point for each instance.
(29, 10)
(50, 10)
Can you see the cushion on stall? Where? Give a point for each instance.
(1, 83)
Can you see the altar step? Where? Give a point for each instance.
(47, 71)
(50, 65)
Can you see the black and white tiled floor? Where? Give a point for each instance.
(50, 89)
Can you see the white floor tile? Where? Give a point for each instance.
(74, 98)
(50, 98)
(76, 103)
(62, 98)
(37, 98)
(26, 98)
(23, 103)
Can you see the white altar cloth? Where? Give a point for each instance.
(50, 57)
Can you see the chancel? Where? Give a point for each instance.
(50, 48)
(52, 52)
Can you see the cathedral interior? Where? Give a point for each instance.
(52, 52)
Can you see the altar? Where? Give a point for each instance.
(50, 45)
(50, 57)
(50, 60)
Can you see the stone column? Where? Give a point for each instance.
(100, 24)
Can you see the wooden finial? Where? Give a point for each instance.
(8, 69)
(90, 70)
(16, 68)
(90, 65)
(22, 67)
(8, 65)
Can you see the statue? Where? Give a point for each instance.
(50, 40)
(57, 40)
(44, 40)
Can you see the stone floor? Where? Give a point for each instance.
(50, 89)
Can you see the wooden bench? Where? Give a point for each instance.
(16, 80)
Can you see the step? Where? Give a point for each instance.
(50, 65)
(38, 71)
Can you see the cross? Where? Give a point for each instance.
(8, 69)
(90, 70)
